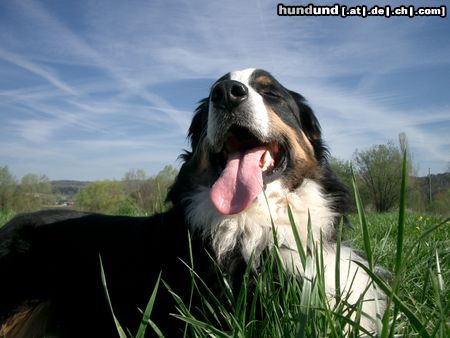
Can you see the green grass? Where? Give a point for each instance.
(426, 243)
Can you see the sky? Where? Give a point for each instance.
(92, 89)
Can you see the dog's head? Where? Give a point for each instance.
(249, 133)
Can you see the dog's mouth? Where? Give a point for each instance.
(245, 165)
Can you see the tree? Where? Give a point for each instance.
(8, 188)
(163, 180)
(380, 168)
(34, 184)
(149, 194)
(133, 179)
(33, 193)
(167, 175)
(133, 184)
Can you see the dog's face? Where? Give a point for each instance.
(250, 132)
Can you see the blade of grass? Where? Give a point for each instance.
(252, 314)
(362, 222)
(274, 231)
(298, 242)
(156, 329)
(322, 299)
(148, 311)
(242, 300)
(305, 301)
(191, 294)
(214, 332)
(276, 247)
(337, 266)
(119, 328)
(388, 327)
(352, 323)
(439, 290)
(440, 279)
(401, 217)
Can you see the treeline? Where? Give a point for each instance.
(135, 194)
(32, 192)
(378, 171)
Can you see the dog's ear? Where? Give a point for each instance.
(309, 123)
(198, 124)
(183, 181)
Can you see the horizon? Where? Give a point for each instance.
(69, 180)
(89, 90)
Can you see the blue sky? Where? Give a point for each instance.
(91, 89)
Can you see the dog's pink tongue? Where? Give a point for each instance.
(240, 182)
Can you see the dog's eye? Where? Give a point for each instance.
(271, 94)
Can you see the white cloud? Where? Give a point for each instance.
(37, 70)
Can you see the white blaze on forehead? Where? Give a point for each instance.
(242, 75)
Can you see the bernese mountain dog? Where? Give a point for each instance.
(256, 148)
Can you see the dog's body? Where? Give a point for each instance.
(50, 272)
(256, 149)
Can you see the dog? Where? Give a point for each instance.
(256, 149)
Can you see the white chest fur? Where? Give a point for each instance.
(252, 228)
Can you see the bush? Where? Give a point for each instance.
(379, 167)
(102, 196)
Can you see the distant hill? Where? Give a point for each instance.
(67, 188)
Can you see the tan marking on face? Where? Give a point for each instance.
(307, 142)
(300, 143)
(302, 151)
(315, 136)
(264, 80)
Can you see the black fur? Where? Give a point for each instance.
(54, 256)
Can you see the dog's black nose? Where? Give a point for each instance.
(228, 94)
